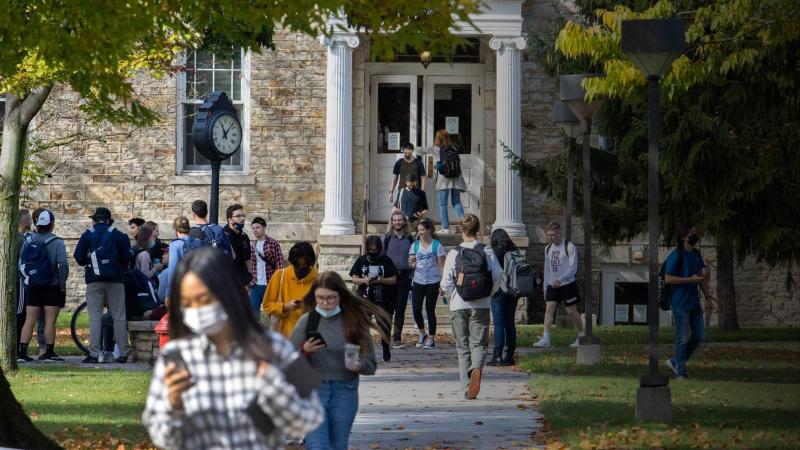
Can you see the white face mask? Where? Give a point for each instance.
(208, 320)
(329, 313)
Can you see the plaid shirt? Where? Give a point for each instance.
(272, 254)
(213, 416)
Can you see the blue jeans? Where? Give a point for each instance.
(256, 295)
(504, 307)
(686, 321)
(340, 400)
(455, 199)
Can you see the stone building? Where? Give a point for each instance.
(323, 125)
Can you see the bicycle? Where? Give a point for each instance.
(81, 340)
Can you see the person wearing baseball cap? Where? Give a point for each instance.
(44, 292)
(106, 254)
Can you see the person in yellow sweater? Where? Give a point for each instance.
(288, 286)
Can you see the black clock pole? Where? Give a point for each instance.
(214, 201)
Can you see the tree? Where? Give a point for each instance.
(730, 120)
(96, 48)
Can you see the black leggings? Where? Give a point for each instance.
(429, 293)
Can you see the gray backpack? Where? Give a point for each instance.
(518, 277)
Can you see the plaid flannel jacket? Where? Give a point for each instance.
(213, 413)
(272, 254)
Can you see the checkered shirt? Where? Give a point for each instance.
(213, 415)
(273, 254)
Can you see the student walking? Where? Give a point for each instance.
(374, 274)
(412, 201)
(504, 304)
(405, 166)
(240, 243)
(265, 258)
(288, 286)
(449, 179)
(471, 275)
(342, 319)
(222, 361)
(44, 268)
(397, 245)
(560, 268)
(426, 257)
(685, 271)
(106, 254)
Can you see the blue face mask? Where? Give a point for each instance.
(239, 226)
(328, 314)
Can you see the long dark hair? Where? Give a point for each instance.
(356, 312)
(501, 244)
(143, 238)
(214, 268)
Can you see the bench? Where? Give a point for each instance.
(143, 339)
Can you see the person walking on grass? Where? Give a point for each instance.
(426, 258)
(23, 231)
(265, 258)
(396, 245)
(471, 275)
(685, 272)
(44, 267)
(342, 319)
(560, 268)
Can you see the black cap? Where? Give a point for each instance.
(101, 214)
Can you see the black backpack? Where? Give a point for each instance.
(140, 294)
(449, 162)
(518, 277)
(473, 280)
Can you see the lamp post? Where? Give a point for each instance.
(574, 96)
(653, 45)
(571, 126)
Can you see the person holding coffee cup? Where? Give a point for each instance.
(335, 336)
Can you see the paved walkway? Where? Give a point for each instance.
(415, 401)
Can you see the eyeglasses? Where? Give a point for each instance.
(326, 299)
(240, 216)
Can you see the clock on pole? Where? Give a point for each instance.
(217, 135)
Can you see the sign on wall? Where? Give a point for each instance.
(394, 141)
(451, 124)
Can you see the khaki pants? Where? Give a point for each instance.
(99, 294)
(471, 333)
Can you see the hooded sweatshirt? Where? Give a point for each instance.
(284, 288)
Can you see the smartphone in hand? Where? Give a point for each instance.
(316, 335)
(176, 358)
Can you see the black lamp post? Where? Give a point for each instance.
(571, 126)
(574, 96)
(653, 45)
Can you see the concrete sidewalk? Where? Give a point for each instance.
(415, 401)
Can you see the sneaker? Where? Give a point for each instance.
(474, 384)
(121, 360)
(421, 340)
(671, 365)
(429, 343)
(398, 344)
(444, 231)
(576, 343)
(682, 377)
(90, 360)
(50, 357)
(542, 343)
(24, 358)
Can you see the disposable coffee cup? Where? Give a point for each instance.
(351, 352)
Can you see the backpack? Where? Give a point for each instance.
(104, 257)
(140, 294)
(449, 162)
(518, 276)
(35, 264)
(434, 249)
(190, 244)
(473, 280)
(214, 236)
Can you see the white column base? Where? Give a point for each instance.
(337, 228)
(513, 228)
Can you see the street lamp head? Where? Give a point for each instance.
(574, 95)
(425, 58)
(564, 117)
(653, 44)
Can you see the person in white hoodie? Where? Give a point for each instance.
(560, 267)
(471, 274)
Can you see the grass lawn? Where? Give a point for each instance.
(740, 394)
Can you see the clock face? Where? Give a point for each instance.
(226, 134)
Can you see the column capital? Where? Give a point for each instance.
(348, 39)
(507, 43)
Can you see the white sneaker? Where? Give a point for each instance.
(445, 231)
(429, 343)
(421, 340)
(398, 344)
(576, 343)
(542, 343)
(672, 366)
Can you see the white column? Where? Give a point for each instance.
(509, 133)
(339, 136)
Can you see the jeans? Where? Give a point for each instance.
(455, 199)
(340, 400)
(99, 294)
(400, 291)
(471, 333)
(504, 308)
(429, 293)
(256, 295)
(686, 321)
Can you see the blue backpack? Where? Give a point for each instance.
(104, 257)
(190, 244)
(35, 264)
(214, 236)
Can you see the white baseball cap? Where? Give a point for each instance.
(45, 218)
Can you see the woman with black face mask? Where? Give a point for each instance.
(219, 360)
(372, 273)
(287, 287)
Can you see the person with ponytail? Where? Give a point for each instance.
(342, 319)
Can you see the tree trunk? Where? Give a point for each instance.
(726, 294)
(16, 429)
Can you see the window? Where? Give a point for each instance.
(208, 72)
